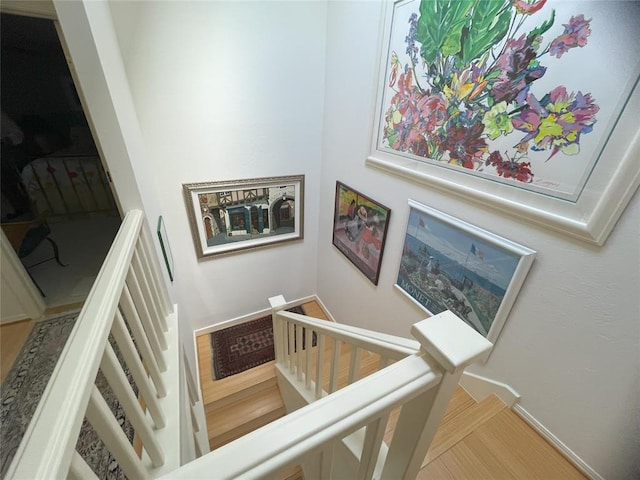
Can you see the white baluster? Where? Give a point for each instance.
(107, 428)
(335, 363)
(154, 268)
(142, 274)
(278, 303)
(354, 364)
(120, 385)
(309, 349)
(291, 339)
(130, 313)
(299, 351)
(128, 351)
(79, 469)
(150, 326)
(371, 449)
(322, 340)
(326, 461)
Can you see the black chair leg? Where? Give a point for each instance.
(56, 252)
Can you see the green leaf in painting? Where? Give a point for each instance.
(440, 26)
(544, 27)
(488, 24)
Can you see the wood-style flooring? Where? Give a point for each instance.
(13, 335)
(476, 440)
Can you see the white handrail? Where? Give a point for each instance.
(422, 383)
(285, 441)
(47, 449)
(49, 442)
(351, 335)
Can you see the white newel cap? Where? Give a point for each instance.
(449, 340)
(277, 302)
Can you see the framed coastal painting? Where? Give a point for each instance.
(360, 230)
(448, 264)
(526, 106)
(229, 216)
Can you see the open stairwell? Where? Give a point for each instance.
(475, 440)
(359, 404)
(244, 402)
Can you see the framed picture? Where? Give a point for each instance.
(164, 245)
(448, 264)
(237, 215)
(360, 230)
(514, 104)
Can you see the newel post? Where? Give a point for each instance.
(453, 345)
(277, 303)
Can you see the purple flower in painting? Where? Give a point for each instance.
(518, 68)
(556, 122)
(410, 40)
(575, 35)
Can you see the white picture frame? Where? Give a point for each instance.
(609, 182)
(449, 264)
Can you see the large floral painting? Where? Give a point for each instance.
(523, 92)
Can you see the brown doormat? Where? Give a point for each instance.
(241, 347)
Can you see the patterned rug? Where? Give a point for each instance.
(25, 383)
(241, 347)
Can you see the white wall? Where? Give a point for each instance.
(227, 90)
(570, 346)
(19, 298)
(224, 91)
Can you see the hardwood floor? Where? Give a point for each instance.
(476, 440)
(14, 335)
(12, 338)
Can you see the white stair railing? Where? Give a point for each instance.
(420, 381)
(126, 297)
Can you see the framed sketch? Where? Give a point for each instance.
(527, 106)
(229, 216)
(164, 245)
(448, 264)
(360, 230)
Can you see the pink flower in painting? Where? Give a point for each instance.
(412, 116)
(575, 35)
(432, 112)
(528, 7)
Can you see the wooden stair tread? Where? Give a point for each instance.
(234, 420)
(464, 422)
(254, 379)
(504, 447)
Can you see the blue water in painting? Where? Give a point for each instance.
(454, 269)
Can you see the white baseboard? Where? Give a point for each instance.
(480, 388)
(555, 441)
(260, 313)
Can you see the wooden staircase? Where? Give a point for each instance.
(239, 404)
(475, 439)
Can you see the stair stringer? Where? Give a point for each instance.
(347, 454)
